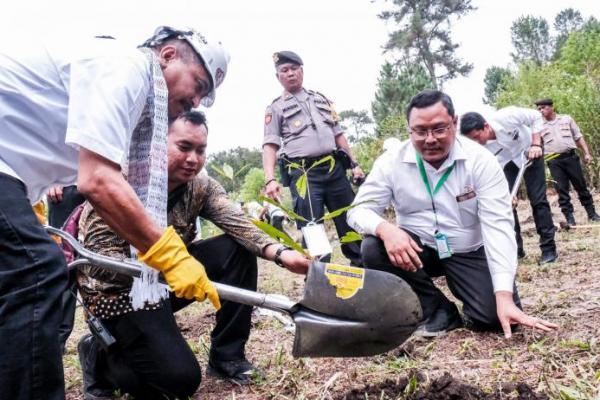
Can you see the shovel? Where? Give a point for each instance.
(344, 312)
(519, 178)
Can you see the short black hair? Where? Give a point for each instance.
(194, 117)
(428, 98)
(471, 121)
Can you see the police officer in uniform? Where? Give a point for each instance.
(303, 126)
(562, 136)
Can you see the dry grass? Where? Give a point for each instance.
(561, 365)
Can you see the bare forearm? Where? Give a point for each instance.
(269, 158)
(115, 201)
(536, 139)
(581, 143)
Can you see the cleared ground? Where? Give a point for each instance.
(460, 365)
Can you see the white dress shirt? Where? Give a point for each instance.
(514, 127)
(56, 97)
(473, 206)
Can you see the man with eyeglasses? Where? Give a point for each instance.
(453, 219)
(513, 134)
(561, 137)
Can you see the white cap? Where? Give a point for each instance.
(391, 144)
(214, 57)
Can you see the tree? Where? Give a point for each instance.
(395, 87)
(358, 121)
(531, 39)
(253, 182)
(423, 36)
(495, 80)
(240, 159)
(566, 21)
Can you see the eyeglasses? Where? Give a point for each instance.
(438, 133)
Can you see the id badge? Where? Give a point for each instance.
(441, 243)
(316, 240)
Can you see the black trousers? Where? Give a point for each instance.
(467, 275)
(57, 216)
(151, 359)
(567, 168)
(33, 277)
(331, 190)
(535, 183)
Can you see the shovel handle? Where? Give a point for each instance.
(133, 268)
(515, 189)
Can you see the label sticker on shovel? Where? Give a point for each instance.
(347, 280)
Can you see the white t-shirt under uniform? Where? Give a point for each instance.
(473, 206)
(59, 96)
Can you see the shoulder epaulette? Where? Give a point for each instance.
(323, 96)
(275, 99)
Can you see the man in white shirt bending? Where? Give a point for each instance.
(453, 218)
(74, 111)
(513, 134)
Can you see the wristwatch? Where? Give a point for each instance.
(280, 250)
(353, 164)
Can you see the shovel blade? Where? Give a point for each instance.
(319, 335)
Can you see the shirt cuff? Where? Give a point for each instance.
(364, 221)
(503, 281)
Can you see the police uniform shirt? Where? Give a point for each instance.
(513, 127)
(560, 135)
(303, 124)
(473, 206)
(55, 99)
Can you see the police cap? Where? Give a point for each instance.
(283, 57)
(544, 102)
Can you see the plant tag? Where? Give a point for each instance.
(316, 240)
(443, 248)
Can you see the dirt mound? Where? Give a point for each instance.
(442, 388)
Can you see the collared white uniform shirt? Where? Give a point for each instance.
(57, 97)
(468, 221)
(514, 127)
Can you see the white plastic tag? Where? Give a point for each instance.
(316, 240)
(443, 248)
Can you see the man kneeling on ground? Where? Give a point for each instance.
(151, 359)
(453, 218)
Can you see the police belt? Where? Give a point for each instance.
(308, 161)
(566, 154)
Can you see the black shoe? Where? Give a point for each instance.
(92, 388)
(443, 320)
(520, 254)
(548, 257)
(570, 219)
(593, 217)
(241, 371)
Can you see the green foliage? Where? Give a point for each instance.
(231, 166)
(291, 214)
(351, 236)
(423, 35)
(531, 39)
(279, 235)
(566, 21)
(396, 85)
(253, 182)
(572, 81)
(356, 124)
(496, 78)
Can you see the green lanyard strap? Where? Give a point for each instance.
(426, 180)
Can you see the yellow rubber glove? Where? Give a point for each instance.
(184, 274)
(40, 212)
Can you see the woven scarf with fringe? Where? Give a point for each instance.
(146, 170)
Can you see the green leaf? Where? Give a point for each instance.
(291, 214)
(412, 385)
(278, 235)
(301, 185)
(218, 170)
(351, 236)
(340, 211)
(294, 165)
(324, 160)
(228, 171)
(242, 170)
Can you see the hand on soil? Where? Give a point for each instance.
(509, 313)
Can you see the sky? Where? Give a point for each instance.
(340, 42)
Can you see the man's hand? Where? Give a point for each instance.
(587, 158)
(55, 194)
(515, 202)
(358, 176)
(535, 151)
(273, 190)
(509, 313)
(401, 248)
(295, 262)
